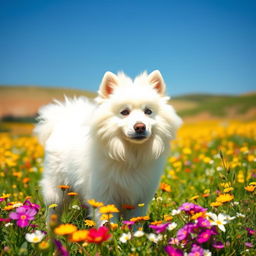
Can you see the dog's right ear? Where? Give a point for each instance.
(109, 81)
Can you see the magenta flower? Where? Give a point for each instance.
(196, 251)
(32, 205)
(218, 245)
(190, 207)
(23, 215)
(171, 251)
(203, 223)
(1, 199)
(62, 251)
(160, 228)
(204, 236)
(250, 231)
(185, 231)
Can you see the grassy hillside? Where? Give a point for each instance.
(20, 103)
(218, 105)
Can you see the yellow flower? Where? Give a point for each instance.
(215, 204)
(141, 205)
(108, 209)
(252, 183)
(65, 229)
(250, 188)
(106, 216)
(113, 226)
(186, 151)
(194, 197)
(52, 206)
(95, 204)
(224, 198)
(228, 189)
(89, 223)
(197, 215)
(5, 195)
(79, 236)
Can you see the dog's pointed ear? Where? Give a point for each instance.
(109, 81)
(155, 78)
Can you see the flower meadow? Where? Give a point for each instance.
(205, 204)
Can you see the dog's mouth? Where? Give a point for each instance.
(137, 138)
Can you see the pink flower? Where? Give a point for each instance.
(171, 251)
(196, 251)
(203, 223)
(5, 220)
(160, 228)
(23, 215)
(218, 245)
(204, 236)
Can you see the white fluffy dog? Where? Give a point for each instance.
(112, 150)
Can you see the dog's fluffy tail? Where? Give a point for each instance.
(67, 114)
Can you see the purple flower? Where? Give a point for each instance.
(160, 228)
(204, 236)
(23, 215)
(1, 199)
(62, 251)
(196, 251)
(218, 245)
(248, 244)
(190, 207)
(171, 251)
(203, 223)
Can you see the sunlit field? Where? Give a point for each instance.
(205, 204)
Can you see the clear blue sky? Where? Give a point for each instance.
(199, 46)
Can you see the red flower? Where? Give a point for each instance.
(98, 235)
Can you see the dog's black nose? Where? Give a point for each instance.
(139, 128)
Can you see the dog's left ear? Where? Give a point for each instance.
(109, 81)
(155, 78)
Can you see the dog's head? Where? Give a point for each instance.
(134, 113)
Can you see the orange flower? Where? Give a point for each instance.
(165, 187)
(26, 180)
(72, 194)
(156, 222)
(63, 187)
(250, 188)
(79, 236)
(65, 229)
(140, 218)
(168, 218)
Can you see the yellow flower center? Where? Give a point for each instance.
(23, 217)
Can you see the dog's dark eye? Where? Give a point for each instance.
(125, 112)
(148, 111)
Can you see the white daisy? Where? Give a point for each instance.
(35, 237)
(219, 220)
(172, 226)
(155, 238)
(125, 237)
(138, 233)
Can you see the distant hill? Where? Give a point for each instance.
(22, 103)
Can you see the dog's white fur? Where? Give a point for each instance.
(91, 146)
